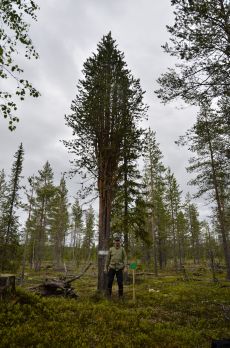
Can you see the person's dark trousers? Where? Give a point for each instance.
(119, 276)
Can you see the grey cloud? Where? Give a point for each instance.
(66, 34)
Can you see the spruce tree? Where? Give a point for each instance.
(108, 106)
(41, 215)
(3, 213)
(154, 182)
(124, 219)
(59, 222)
(10, 218)
(14, 187)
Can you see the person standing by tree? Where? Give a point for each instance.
(116, 263)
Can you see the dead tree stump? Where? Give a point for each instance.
(7, 285)
(59, 287)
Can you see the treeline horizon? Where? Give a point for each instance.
(58, 231)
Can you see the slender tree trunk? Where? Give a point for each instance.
(126, 204)
(58, 249)
(40, 241)
(74, 244)
(180, 253)
(126, 228)
(27, 235)
(24, 256)
(153, 226)
(160, 253)
(174, 247)
(32, 255)
(174, 237)
(198, 251)
(220, 207)
(192, 234)
(154, 229)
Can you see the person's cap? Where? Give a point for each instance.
(116, 236)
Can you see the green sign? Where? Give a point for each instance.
(133, 265)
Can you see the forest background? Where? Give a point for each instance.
(51, 228)
(147, 206)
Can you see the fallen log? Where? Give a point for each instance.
(59, 287)
(79, 275)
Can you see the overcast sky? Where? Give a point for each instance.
(65, 35)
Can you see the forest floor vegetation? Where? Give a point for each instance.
(167, 312)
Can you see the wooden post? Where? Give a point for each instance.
(133, 266)
(134, 297)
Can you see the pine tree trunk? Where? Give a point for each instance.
(180, 253)
(126, 229)
(220, 208)
(126, 235)
(58, 250)
(104, 230)
(174, 236)
(26, 238)
(24, 256)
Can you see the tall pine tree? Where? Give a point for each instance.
(107, 108)
(209, 141)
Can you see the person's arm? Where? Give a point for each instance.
(125, 260)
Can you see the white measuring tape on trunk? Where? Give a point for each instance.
(102, 252)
